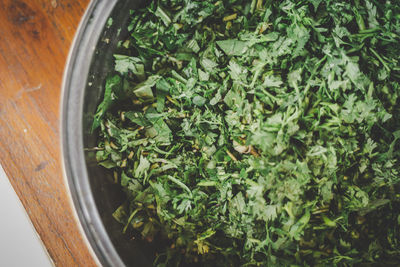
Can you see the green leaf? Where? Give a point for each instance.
(233, 47)
(109, 95)
(162, 14)
(296, 231)
(142, 168)
(199, 100)
(120, 214)
(144, 90)
(163, 132)
(162, 87)
(138, 118)
(124, 64)
(125, 179)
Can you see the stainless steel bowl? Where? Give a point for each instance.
(94, 195)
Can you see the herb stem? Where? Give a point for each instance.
(130, 219)
(380, 59)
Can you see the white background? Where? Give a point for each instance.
(20, 246)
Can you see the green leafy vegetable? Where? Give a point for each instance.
(258, 133)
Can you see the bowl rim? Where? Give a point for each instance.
(71, 124)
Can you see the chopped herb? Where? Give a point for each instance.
(258, 133)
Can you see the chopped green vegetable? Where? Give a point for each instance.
(258, 133)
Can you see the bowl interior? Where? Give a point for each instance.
(107, 195)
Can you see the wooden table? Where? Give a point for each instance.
(35, 37)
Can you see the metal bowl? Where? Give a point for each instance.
(93, 193)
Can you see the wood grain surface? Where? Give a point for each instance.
(35, 37)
